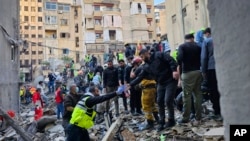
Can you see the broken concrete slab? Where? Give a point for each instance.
(56, 129)
(215, 132)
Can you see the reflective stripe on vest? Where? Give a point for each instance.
(91, 75)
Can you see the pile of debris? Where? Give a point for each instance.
(125, 128)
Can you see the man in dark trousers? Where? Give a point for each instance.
(83, 115)
(208, 71)
(121, 72)
(189, 55)
(164, 68)
(135, 91)
(110, 84)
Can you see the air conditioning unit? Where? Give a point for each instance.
(60, 12)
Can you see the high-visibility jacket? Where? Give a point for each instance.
(120, 56)
(174, 55)
(91, 76)
(82, 115)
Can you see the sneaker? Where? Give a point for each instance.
(170, 123)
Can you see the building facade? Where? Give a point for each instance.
(160, 21)
(183, 16)
(31, 29)
(9, 55)
(108, 24)
(62, 28)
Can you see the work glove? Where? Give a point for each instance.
(120, 90)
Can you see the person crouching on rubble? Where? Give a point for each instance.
(83, 115)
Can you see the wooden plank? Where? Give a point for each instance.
(15, 125)
(113, 130)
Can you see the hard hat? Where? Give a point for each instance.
(191, 32)
(136, 60)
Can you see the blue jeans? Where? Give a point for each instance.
(77, 134)
(59, 109)
(51, 86)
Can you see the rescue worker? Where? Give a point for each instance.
(120, 55)
(135, 92)
(59, 101)
(83, 115)
(148, 86)
(90, 75)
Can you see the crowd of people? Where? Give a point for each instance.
(185, 77)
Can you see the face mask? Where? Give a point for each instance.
(77, 89)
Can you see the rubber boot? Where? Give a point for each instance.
(170, 123)
(157, 119)
(149, 125)
(161, 125)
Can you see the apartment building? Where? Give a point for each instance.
(138, 21)
(62, 28)
(31, 29)
(160, 21)
(108, 24)
(183, 16)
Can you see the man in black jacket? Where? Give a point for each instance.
(148, 85)
(165, 72)
(110, 84)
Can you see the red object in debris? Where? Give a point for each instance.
(38, 113)
(11, 113)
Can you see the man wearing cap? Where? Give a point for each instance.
(189, 55)
(209, 73)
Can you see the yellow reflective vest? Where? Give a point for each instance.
(82, 115)
(120, 56)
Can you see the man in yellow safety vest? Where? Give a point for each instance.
(83, 115)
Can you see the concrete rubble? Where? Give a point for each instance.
(48, 128)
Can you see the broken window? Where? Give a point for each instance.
(196, 4)
(112, 34)
(174, 19)
(76, 28)
(64, 22)
(64, 35)
(139, 7)
(184, 12)
(77, 41)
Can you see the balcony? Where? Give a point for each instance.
(50, 26)
(150, 29)
(97, 13)
(149, 15)
(97, 1)
(100, 40)
(111, 1)
(87, 1)
(111, 10)
(98, 27)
